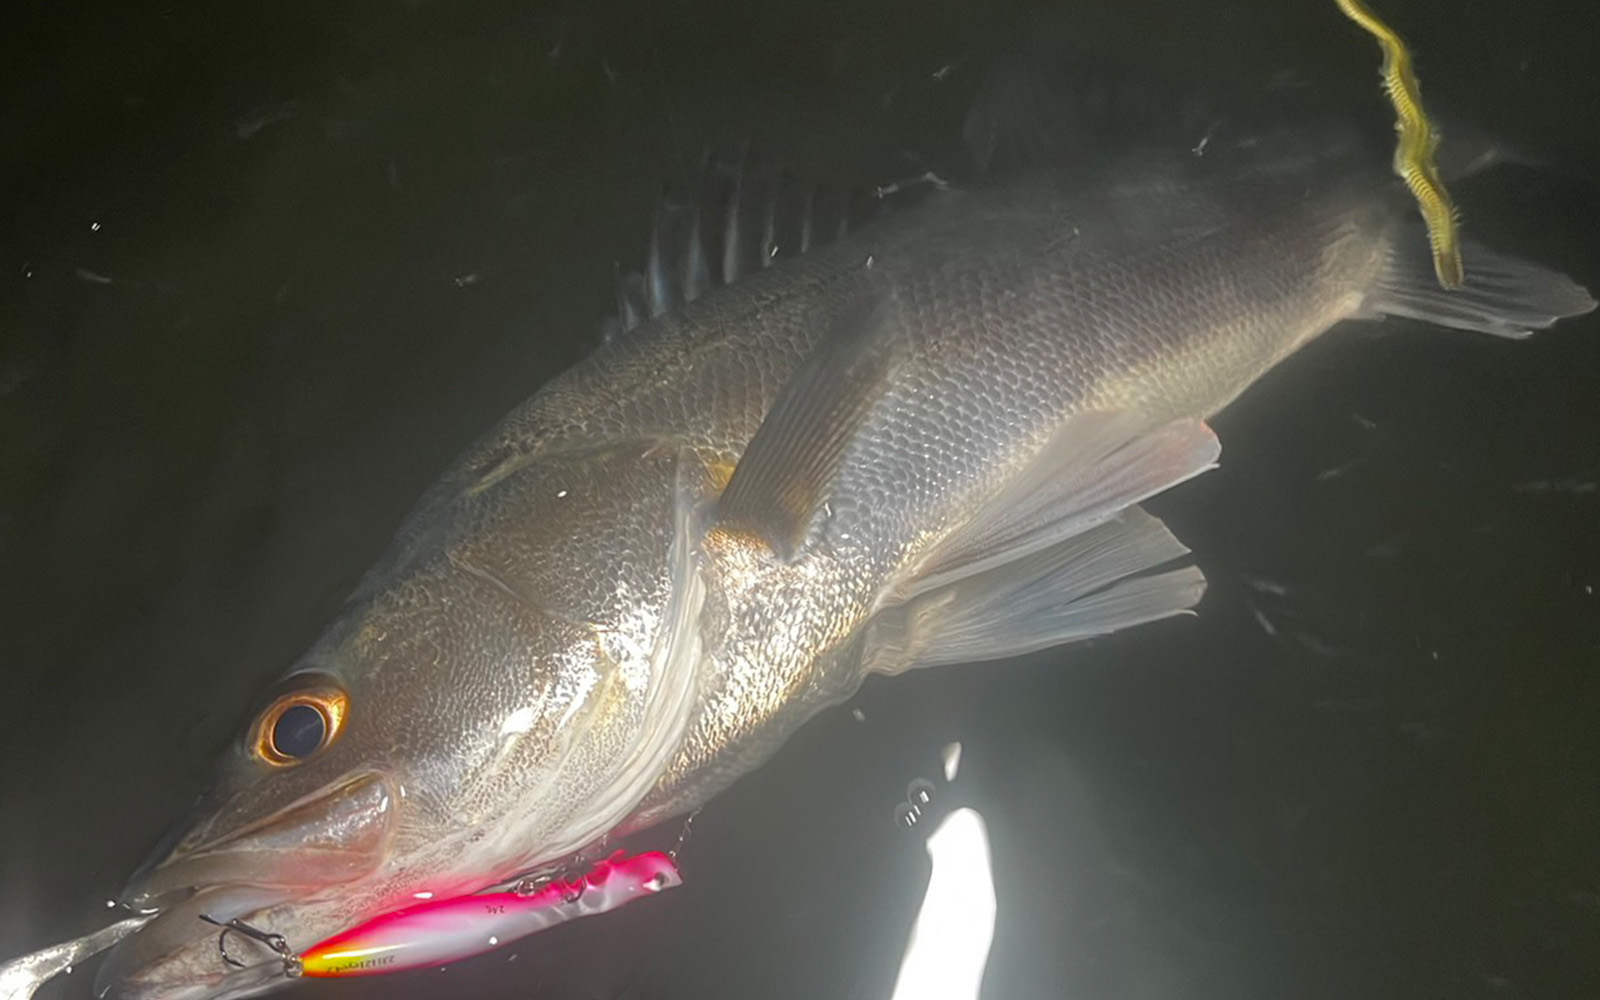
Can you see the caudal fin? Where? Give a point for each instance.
(1502, 295)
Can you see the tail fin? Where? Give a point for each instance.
(1502, 295)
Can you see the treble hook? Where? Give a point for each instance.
(274, 941)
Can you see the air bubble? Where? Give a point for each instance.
(919, 792)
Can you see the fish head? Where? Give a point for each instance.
(425, 748)
(301, 802)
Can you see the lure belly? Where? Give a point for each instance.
(447, 930)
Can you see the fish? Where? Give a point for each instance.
(924, 440)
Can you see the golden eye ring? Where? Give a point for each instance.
(299, 724)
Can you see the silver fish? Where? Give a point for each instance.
(921, 443)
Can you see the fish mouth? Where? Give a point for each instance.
(332, 838)
(180, 954)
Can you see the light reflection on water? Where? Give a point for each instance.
(950, 939)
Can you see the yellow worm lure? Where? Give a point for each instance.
(1413, 153)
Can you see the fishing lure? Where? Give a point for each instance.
(436, 932)
(1414, 148)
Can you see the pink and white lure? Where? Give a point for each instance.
(446, 930)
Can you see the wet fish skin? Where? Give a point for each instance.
(1039, 302)
(586, 627)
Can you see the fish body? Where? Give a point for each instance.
(922, 443)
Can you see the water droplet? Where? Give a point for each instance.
(493, 941)
(919, 792)
(906, 815)
(529, 886)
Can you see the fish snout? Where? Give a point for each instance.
(334, 836)
(180, 954)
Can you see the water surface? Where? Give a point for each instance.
(265, 267)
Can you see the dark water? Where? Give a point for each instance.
(264, 267)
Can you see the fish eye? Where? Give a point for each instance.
(298, 731)
(299, 724)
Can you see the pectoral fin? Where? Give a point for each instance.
(785, 471)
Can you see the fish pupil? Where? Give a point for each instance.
(298, 731)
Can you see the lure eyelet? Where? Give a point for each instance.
(299, 724)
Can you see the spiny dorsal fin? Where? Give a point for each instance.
(745, 216)
(676, 271)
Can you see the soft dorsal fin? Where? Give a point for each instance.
(745, 216)
(782, 478)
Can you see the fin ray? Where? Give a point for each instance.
(1093, 583)
(1502, 295)
(1099, 464)
(745, 217)
(778, 483)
